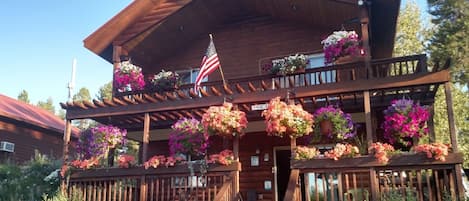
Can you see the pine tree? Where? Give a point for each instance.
(24, 96)
(451, 18)
(410, 32)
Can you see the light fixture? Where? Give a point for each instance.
(360, 2)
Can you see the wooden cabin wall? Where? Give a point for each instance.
(240, 46)
(27, 140)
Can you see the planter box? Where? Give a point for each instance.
(368, 161)
(141, 171)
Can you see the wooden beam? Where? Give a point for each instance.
(369, 127)
(66, 141)
(365, 21)
(146, 137)
(265, 96)
(451, 121)
(116, 59)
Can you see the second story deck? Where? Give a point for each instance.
(339, 84)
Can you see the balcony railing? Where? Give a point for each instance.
(363, 178)
(172, 183)
(390, 67)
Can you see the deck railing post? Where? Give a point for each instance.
(453, 137)
(364, 21)
(369, 127)
(116, 53)
(146, 137)
(143, 188)
(66, 141)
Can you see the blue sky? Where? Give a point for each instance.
(39, 39)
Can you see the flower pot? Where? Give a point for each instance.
(326, 127)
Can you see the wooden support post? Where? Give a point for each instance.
(451, 121)
(365, 21)
(453, 138)
(369, 127)
(431, 125)
(66, 141)
(116, 59)
(236, 158)
(146, 137)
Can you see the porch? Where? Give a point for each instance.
(355, 87)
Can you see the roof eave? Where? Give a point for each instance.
(101, 39)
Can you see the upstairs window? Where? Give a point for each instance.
(189, 76)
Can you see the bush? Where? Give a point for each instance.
(29, 181)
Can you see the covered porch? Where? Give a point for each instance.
(353, 86)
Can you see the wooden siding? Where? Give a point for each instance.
(27, 140)
(240, 47)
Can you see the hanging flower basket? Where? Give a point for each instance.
(164, 81)
(128, 77)
(224, 121)
(341, 44)
(333, 123)
(405, 122)
(287, 65)
(287, 120)
(188, 137)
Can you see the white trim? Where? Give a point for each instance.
(277, 148)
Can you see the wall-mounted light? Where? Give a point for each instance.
(258, 151)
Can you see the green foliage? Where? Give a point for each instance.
(451, 18)
(23, 96)
(82, 95)
(397, 195)
(30, 180)
(47, 105)
(461, 115)
(58, 196)
(105, 91)
(410, 33)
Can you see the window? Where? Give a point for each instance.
(189, 76)
(317, 61)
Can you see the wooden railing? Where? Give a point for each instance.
(363, 178)
(161, 184)
(380, 68)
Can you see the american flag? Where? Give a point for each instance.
(209, 64)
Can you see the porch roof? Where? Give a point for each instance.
(159, 27)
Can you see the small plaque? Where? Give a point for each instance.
(259, 106)
(254, 160)
(267, 185)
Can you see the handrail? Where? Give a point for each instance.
(292, 193)
(224, 194)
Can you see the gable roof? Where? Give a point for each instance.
(19, 111)
(164, 21)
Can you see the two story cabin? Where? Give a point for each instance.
(173, 35)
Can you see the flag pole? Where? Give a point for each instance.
(221, 69)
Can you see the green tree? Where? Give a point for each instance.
(82, 95)
(105, 91)
(461, 115)
(410, 32)
(451, 18)
(47, 105)
(23, 96)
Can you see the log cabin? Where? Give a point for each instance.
(25, 128)
(173, 35)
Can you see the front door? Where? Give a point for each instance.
(282, 163)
